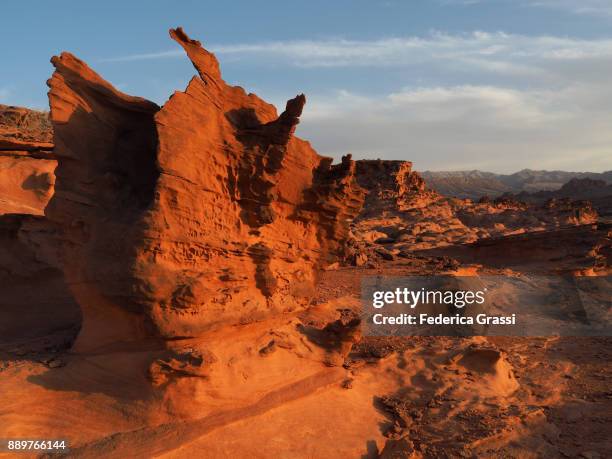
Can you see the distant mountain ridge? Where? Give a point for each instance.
(597, 192)
(475, 184)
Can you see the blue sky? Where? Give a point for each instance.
(497, 85)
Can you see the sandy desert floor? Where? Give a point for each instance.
(393, 397)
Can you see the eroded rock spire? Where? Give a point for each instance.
(207, 211)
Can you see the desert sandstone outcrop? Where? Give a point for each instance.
(26, 160)
(401, 214)
(203, 212)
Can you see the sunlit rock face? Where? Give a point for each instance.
(207, 210)
(26, 160)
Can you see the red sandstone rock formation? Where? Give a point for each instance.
(205, 211)
(168, 219)
(26, 161)
(401, 215)
(22, 129)
(391, 186)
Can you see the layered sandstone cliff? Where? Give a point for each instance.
(205, 211)
(391, 186)
(26, 160)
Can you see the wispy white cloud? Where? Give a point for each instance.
(495, 52)
(466, 126)
(591, 7)
(493, 101)
(596, 7)
(173, 53)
